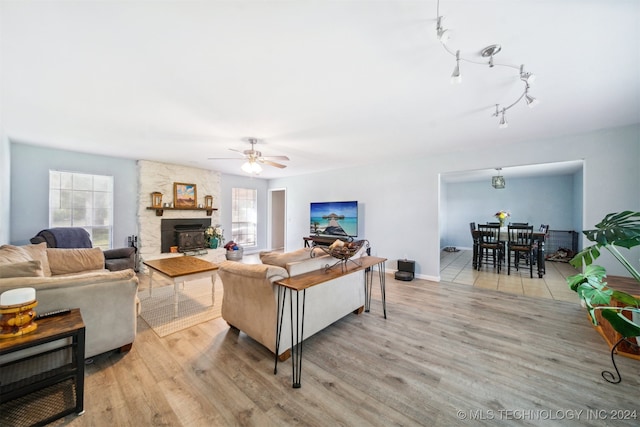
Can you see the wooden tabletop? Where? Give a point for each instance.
(48, 329)
(312, 278)
(180, 266)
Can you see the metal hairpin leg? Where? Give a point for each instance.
(296, 346)
(297, 331)
(368, 286)
(282, 296)
(381, 276)
(608, 375)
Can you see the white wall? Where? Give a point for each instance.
(30, 165)
(535, 200)
(401, 201)
(5, 189)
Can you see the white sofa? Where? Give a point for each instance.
(250, 296)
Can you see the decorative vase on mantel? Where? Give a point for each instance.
(213, 243)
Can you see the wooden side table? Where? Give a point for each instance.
(46, 382)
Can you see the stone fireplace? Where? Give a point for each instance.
(155, 242)
(185, 233)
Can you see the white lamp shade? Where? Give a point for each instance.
(251, 167)
(17, 296)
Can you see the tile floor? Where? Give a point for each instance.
(457, 267)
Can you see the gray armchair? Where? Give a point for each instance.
(76, 237)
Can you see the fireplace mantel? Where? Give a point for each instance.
(160, 211)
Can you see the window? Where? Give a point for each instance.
(82, 200)
(244, 216)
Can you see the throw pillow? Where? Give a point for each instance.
(21, 269)
(39, 253)
(282, 259)
(65, 261)
(10, 254)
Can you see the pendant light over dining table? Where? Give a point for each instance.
(498, 181)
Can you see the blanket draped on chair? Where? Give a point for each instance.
(66, 237)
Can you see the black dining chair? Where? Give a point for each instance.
(476, 243)
(490, 245)
(520, 242)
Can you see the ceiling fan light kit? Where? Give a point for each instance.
(488, 52)
(253, 159)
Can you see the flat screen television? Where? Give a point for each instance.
(338, 219)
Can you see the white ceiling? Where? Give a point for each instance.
(330, 84)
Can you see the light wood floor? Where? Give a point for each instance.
(447, 351)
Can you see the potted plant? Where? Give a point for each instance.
(609, 308)
(214, 236)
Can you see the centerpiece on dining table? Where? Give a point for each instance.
(502, 216)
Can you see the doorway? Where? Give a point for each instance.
(277, 218)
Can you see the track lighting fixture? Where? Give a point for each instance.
(456, 77)
(488, 52)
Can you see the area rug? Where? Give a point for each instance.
(194, 306)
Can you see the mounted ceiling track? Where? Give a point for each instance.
(488, 52)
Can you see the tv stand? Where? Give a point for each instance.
(322, 240)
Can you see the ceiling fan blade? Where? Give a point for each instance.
(225, 158)
(238, 151)
(275, 157)
(270, 163)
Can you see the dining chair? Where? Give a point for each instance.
(476, 243)
(520, 243)
(518, 223)
(490, 245)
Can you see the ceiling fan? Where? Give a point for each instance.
(254, 158)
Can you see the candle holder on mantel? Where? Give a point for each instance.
(156, 199)
(208, 204)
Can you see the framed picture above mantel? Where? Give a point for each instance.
(184, 195)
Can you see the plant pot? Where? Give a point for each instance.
(213, 243)
(611, 336)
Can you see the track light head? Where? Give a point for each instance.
(443, 34)
(456, 77)
(503, 121)
(530, 100)
(526, 77)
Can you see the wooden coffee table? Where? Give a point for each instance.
(179, 270)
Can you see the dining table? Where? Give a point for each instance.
(538, 237)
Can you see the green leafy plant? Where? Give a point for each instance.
(616, 230)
